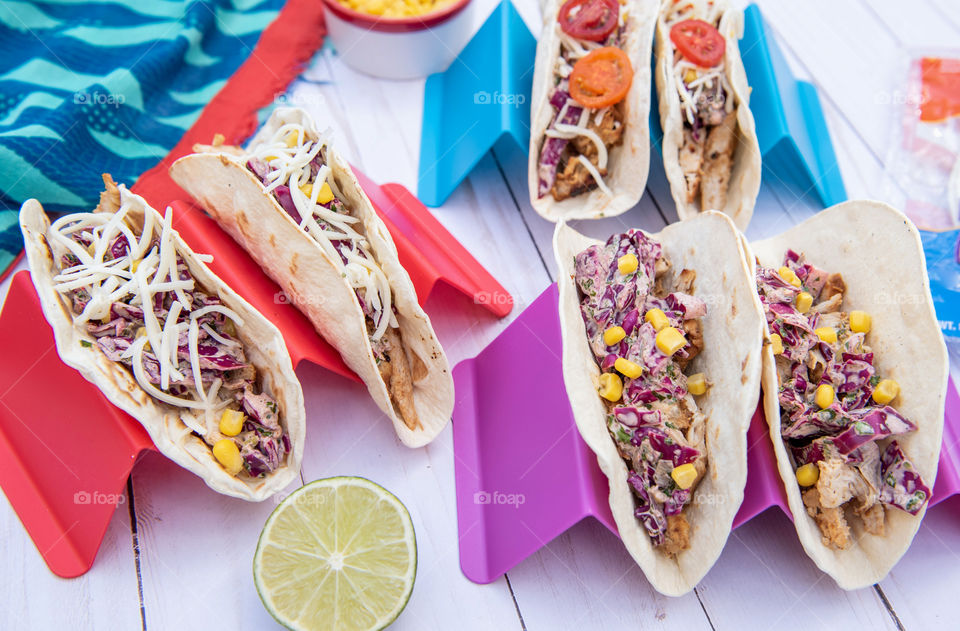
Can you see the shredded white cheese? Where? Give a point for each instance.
(290, 165)
(135, 278)
(692, 93)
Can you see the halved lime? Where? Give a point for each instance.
(337, 554)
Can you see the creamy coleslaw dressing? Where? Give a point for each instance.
(291, 166)
(141, 273)
(692, 93)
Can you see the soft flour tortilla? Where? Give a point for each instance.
(295, 261)
(744, 185)
(262, 344)
(731, 360)
(629, 162)
(878, 252)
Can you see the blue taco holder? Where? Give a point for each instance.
(480, 102)
(794, 140)
(476, 105)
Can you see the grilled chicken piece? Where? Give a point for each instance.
(834, 530)
(834, 287)
(573, 178)
(691, 161)
(873, 519)
(684, 282)
(399, 379)
(718, 163)
(677, 536)
(693, 330)
(110, 197)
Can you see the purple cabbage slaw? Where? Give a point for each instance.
(552, 149)
(608, 298)
(262, 442)
(282, 194)
(853, 420)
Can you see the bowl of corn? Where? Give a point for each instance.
(397, 39)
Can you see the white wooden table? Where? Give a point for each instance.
(178, 556)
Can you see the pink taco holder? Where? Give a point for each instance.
(524, 475)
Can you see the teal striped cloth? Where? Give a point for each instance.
(94, 86)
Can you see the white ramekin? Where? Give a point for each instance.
(398, 48)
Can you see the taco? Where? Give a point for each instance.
(295, 206)
(141, 316)
(710, 151)
(855, 377)
(662, 367)
(590, 138)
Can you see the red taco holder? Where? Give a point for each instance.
(67, 457)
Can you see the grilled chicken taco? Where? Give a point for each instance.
(854, 382)
(143, 319)
(710, 150)
(296, 207)
(662, 366)
(590, 149)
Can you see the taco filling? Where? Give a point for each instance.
(592, 76)
(707, 101)
(293, 168)
(644, 328)
(836, 417)
(132, 292)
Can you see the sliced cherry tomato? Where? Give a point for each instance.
(601, 78)
(592, 20)
(699, 42)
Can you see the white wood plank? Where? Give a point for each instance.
(848, 54)
(34, 598)
(196, 551)
(764, 574)
(585, 579)
(914, 24)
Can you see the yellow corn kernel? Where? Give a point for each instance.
(610, 386)
(886, 391)
(231, 422)
(270, 158)
(291, 139)
(860, 321)
(697, 383)
(613, 335)
(657, 318)
(684, 475)
(777, 343)
(826, 334)
(808, 474)
(804, 302)
(627, 368)
(824, 396)
(670, 340)
(627, 264)
(325, 195)
(690, 75)
(226, 452)
(788, 275)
